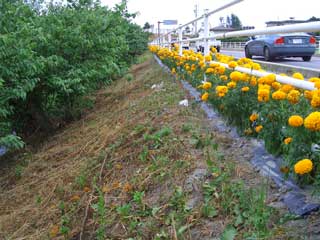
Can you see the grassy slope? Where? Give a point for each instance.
(134, 167)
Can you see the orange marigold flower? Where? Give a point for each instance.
(276, 85)
(258, 128)
(205, 96)
(312, 121)
(308, 94)
(293, 96)
(287, 140)
(206, 85)
(253, 81)
(295, 121)
(224, 77)
(279, 95)
(253, 117)
(303, 166)
(245, 89)
(232, 64)
(231, 84)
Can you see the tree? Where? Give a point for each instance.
(235, 22)
(146, 26)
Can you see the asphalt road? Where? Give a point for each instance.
(314, 63)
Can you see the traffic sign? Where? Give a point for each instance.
(170, 22)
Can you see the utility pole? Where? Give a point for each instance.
(196, 11)
(159, 33)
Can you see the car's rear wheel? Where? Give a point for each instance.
(247, 53)
(266, 54)
(306, 58)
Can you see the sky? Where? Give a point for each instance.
(250, 12)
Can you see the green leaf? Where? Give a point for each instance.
(229, 233)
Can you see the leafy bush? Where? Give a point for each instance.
(50, 58)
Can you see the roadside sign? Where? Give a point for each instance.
(170, 22)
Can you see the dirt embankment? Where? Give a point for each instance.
(140, 166)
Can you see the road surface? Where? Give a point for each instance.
(314, 63)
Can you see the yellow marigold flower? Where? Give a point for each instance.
(231, 84)
(213, 50)
(208, 58)
(279, 95)
(286, 88)
(256, 66)
(245, 77)
(293, 96)
(258, 128)
(210, 70)
(245, 89)
(253, 81)
(235, 76)
(314, 79)
(221, 70)
(232, 64)
(253, 117)
(298, 75)
(206, 85)
(261, 80)
(214, 65)
(263, 95)
(224, 77)
(295, 121)
(173, 71)
(317, 84)
(303, 166)
(205, 96)
(312, 121)
(287, 140)
(308, 94)
(276, 85)
(269, 79)
(221, 91)
(315, 101)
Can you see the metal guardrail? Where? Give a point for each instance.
(232, 45)
(301, 27)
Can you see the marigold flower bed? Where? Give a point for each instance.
(286, 118)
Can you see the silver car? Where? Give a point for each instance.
(281, 45)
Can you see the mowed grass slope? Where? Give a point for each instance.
(137, 166)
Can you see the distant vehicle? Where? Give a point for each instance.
(281, 45)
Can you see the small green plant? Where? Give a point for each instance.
(18, 171)
(124, 210)
(100, 215)
(129, 77)
(137, 197)
(81, 180)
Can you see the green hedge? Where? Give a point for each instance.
(50, 59)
